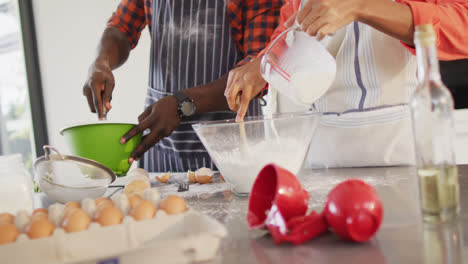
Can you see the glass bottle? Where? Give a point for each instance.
(433, 126)
(16, 189)
(443, 244)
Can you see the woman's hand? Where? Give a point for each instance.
(161, 117)
(324, 17)
(246, 82)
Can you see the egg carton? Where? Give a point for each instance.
(187, 237)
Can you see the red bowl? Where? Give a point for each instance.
(354, 210)
(275, 185)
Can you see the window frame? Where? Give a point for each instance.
(33, 75)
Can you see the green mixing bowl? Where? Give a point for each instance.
(101, 142)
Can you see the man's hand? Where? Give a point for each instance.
(113, 51)
(99, 86)
(324, 17)
(246, 82)
(161, 117)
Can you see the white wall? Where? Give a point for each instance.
(68, 33)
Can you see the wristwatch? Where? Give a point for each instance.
(186, 107)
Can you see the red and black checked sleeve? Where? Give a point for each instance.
(129, 18)
(252, 23)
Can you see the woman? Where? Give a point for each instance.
(367, 121)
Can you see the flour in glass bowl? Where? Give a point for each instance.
(240, 168)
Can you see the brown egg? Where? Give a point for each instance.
(173, 204)
(39, 228)
(69, 207)
(222, 178)
(72, 204)
(39, 215)
(77, 220)
(108, 216)
(8, 233)
(103, 203)
(163, 178)
(102, 207)
(7, 218)
(136, 186)
(191, 176)
(144, 210)
(101, 200)
(133, 200)
(40, 210)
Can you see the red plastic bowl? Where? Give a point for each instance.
(275, 185)
(354, 210)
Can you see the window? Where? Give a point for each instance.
(22, 122)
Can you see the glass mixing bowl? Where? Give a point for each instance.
(241, 150)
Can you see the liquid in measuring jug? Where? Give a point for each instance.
(439, 192)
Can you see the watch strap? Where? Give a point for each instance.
(181, 97)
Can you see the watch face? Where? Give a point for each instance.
(187, 108)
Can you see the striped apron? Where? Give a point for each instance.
(366, 119)
(191, 46)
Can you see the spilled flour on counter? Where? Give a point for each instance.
(319, 184)
(196, 190)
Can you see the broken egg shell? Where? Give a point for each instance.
(7, 218)
(136, 186)
(143, 210)
(204, 179)
(108, 216)
(76, 221)
(8, 233)
(204, 175)
(204, 171)
(163, 178)
(191, 176)
(173, 204)
(39, 228)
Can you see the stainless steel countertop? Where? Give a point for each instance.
(402, 238)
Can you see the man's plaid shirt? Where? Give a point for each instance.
(252, 22)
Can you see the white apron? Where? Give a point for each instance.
(366, 119)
